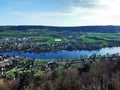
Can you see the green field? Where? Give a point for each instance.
(52, 35)
(57, 38)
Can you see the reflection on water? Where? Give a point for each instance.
(64, 54)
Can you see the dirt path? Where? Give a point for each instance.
(1, 81)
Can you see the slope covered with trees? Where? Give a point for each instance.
(104, 29)
(74, 75)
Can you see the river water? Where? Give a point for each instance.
(65, 54)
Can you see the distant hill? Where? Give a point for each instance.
(101, 29)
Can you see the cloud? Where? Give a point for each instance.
(104, 12)
(78, 12)
(84, 3)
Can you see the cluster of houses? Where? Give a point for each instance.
(33, 47)
(33, 44)
(7, 63)
(20, 65)
(14, 39)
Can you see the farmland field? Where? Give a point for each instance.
(59, 38)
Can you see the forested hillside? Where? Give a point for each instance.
(104, 29)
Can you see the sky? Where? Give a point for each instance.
(60, 12)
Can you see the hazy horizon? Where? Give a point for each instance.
(58, 25)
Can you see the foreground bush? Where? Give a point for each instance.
(102, 75)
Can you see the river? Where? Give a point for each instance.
(65, 54)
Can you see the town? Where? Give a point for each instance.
(94, 72)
